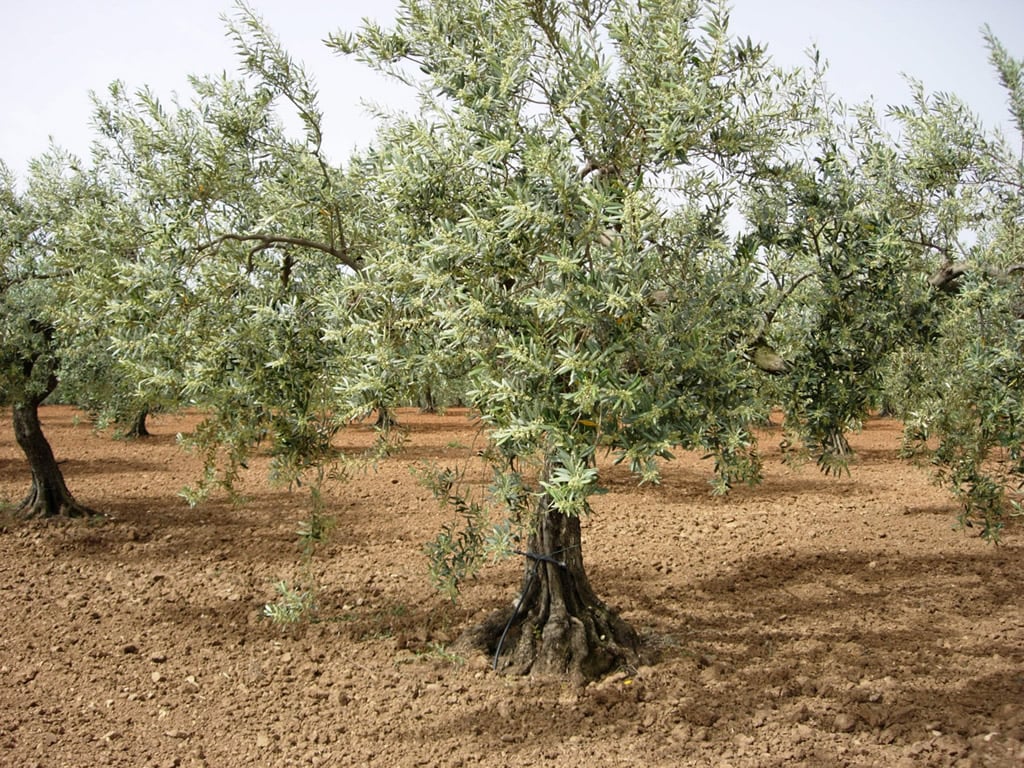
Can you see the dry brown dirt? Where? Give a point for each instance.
(810, 621)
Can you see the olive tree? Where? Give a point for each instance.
(961, 389)
(240, 228)
(561, 206)
(900, 245)
(843, 284)
(40, 241)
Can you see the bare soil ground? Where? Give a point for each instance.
(810, 621)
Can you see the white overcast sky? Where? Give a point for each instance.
(54, 52)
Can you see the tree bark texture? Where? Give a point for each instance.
(49, 495)
(558, 626)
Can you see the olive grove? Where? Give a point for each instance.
(611, 227)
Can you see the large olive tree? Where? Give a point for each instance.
(561, 206)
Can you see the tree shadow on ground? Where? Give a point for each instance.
(833, 641)
(861, 633)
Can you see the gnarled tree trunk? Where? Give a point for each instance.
(49, 496)
(558, 626)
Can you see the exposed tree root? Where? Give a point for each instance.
(56, 502)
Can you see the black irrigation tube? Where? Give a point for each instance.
(537, 559)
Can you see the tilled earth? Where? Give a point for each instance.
(809, 621)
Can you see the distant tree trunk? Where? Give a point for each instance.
(558, 626)
(137, 428)
(427, 404)
(49, 496)
(385, 418)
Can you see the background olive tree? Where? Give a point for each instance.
(961, 388)
(241, 228)
(898, 235)
(42, 240)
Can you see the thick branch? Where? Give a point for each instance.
(9, 282)
(270, 241)
(767, 359)
(946, 277)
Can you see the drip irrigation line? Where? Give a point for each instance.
(515, 613)
(541, 558)
(537, 560)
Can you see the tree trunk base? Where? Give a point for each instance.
(558, 627)
(582, 648)
(385, 419)
(49, 495)
(39, 504)
(138, 427)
